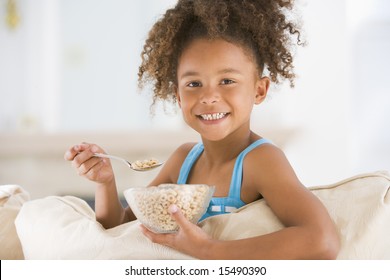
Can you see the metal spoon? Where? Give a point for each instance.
(137, 166)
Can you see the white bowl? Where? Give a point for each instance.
(150, 204)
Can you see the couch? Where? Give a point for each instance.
(64, 227)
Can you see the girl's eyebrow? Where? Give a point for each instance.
(222, 71)
(188, 74)
(230, 70)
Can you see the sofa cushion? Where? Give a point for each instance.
(12, 198)
(65, 227)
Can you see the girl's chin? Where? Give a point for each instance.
(214, 137)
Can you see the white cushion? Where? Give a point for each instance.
(11, 199)
(65, 227)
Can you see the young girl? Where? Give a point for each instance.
(209, 57)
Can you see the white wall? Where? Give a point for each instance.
(369, 94)
(320, 101)
(101, 46)
(70, 67)
(316, 108)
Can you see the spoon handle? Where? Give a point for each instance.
(112, 157)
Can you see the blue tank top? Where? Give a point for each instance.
(220, 205)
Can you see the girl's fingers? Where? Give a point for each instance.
(89, 165)
(75, 150)
(168, 239)
(70, 154)
(94, 172)
(85, 152)
(178, 216)
(160, 238)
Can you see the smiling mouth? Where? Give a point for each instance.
(212, 117)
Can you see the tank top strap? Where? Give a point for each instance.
(236, 181)
(189, 162)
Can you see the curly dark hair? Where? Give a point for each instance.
(259, 26)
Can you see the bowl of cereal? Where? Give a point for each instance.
(150, 204)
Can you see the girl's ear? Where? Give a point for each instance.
(177, 96)
(262, 87)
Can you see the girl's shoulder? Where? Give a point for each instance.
(268, 168)
(265, 158)
(182, 151)
(179, 155)
(265, 151)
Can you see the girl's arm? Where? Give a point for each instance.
(108, 209)
(309, 232)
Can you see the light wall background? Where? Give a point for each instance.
(68, 73)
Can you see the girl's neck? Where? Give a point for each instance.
(218, 152)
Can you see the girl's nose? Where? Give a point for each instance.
(209, 96)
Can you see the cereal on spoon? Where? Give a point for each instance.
(145, 164)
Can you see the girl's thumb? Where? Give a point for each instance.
(177, 215)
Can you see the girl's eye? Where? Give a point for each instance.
(227, 82)
(194, 84)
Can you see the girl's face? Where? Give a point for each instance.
(218, 84)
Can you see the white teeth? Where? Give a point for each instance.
(213, 117)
